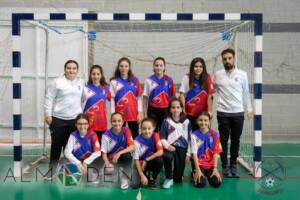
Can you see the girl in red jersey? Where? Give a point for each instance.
(126, 95)
(96, 93)
(147, 156)
(158, 90)
(116, 146)
(205, 149)
(196, 91)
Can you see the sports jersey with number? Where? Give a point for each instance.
(205, 145)
(195, 98)
(125, 95)
(145, 147)
(95, 107)
(113, 143)
(159, 91)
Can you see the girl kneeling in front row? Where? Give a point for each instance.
(147, 156)
(205, 148)
(83, 146)
(116, 146)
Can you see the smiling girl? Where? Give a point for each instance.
(158, 90)
(147, 156)
(126, 95)
(96, 93)
(196, 91)
(116, 146)
(175, 137)
(205, 149)
(83, 146)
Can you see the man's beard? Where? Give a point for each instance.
(228, 66)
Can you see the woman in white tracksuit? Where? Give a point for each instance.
(62, 104)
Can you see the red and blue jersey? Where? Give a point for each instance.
(159, 91)
(86, 145)
(113, 143)
(196, 97)
(125, 94)
(205, 145)
(95, 107)
(145, 147)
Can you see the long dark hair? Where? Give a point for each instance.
(182, 115)
(117, 71)
(203, 76)
(102, 79)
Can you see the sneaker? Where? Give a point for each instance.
(92, 177)
(225, 172)
(124, 183)
(49, 176)
(152, 184)
(168, 183)
(234, 171)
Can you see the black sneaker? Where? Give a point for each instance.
(234, 171)
(225, 172)
(152, 184)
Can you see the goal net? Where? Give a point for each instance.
(178, 42)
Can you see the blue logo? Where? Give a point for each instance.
(273, 177)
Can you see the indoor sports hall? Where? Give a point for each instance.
(38, 37)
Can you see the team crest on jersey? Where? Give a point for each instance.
(237, 79)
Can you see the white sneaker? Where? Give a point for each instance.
(168, 183)
(50, 176)
(124, 183)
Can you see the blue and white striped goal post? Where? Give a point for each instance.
(257, 18)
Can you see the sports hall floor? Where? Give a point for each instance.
(243, 188)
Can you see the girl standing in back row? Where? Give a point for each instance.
(196, 91)
(158, 90)
(126, 95)
(96, 92)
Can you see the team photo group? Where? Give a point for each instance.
(150, 129)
